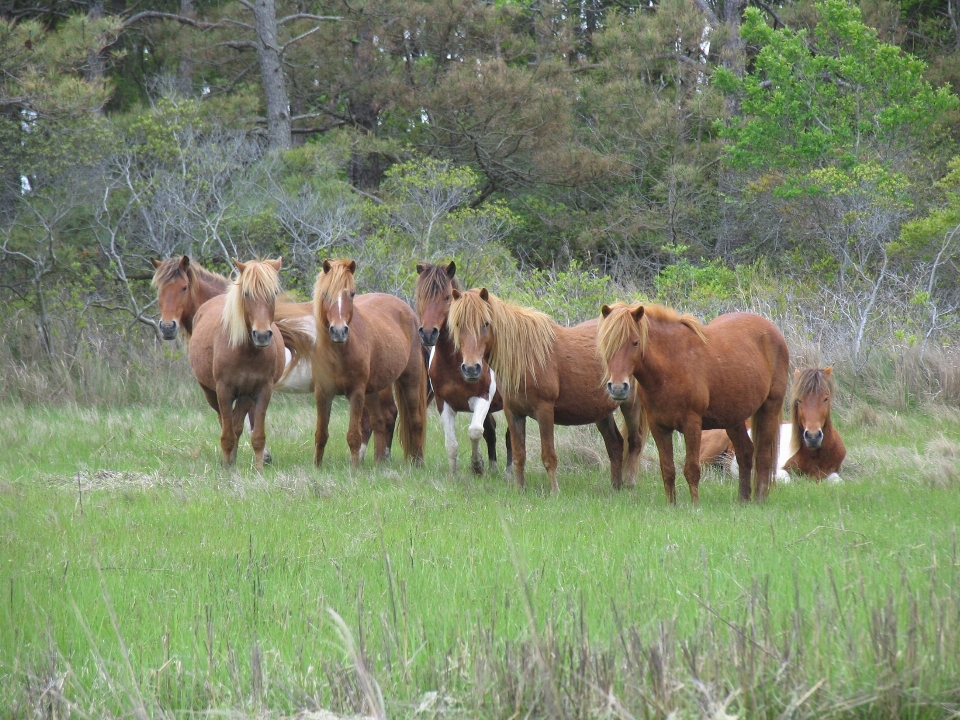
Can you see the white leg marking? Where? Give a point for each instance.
(834, 478)
(447, 418)
(363, 452)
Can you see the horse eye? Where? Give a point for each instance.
(486, 325)
(636, 343)
(353, 294)
(183, 289)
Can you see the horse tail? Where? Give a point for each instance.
(412, 413)
(296, 338)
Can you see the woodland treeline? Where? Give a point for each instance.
(796, 157)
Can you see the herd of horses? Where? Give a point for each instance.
(722, 385)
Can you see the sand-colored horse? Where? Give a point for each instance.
(236, 352)
(544, 371)
(809, 443)
(182, 288)
(692, 377)
(432, 298)
(362, 348)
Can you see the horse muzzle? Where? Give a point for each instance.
(618, 391)
(339, 334)
(261, 339)
(471, 373)
(813, 440)
(168, 331)
(429, 339)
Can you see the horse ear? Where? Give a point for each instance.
(276, 264)
(352, 267)
(828, 370)
(451, 269)
(420, 268)
(184, 262)
(456, 294)
(326, 266)
(156, 263)
(484, 295)
(606, 310)
(637, 313)
(239, 265)
(796, 373)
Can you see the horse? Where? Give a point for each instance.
(545, 371)
(364, 345)
(236, 352)
(809, 443)
(690, 377)
(183, 286)
(432, 297)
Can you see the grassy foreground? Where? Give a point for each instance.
(138, 577)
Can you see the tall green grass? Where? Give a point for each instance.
(137, 576)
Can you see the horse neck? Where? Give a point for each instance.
(657, 364)
(206, 287)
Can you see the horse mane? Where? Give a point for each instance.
(522, 337)
(808, 382)
(259, 282)
(169, 270)
(330, 283)
(617, 327)
(432, 284)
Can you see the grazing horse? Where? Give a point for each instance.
(809, 443)
(545, 371)
(432, 297)
(182, 288)
(692, 377)
(236, 352)
(362, 348)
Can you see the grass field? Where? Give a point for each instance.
(138, 577)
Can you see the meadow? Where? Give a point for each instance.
(137, 577)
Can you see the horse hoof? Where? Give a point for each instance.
(477, 467)
(783, 476)
(267, 458)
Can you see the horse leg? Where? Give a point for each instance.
(508, 468)
(476, 431)
(692, 432)
(517, 428)
(766, 431)
(636, 425)
(211, 396)
(354, 432)
(663, 437)
(448, 418)
(324, 405)
(490, 438)
(743, 451)
(548, 452)
(389, 407)
(373, 414)
(613, 441)
(258, 433)
(411, 389)
(228, 425)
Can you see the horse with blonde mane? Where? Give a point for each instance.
(432, 298)
(545, 371)
(809, 442)
(236, 352)
(365, 345)
(691, 377)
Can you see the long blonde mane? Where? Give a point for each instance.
(618, 326)
(336, 276)
(523, 338)
(810, 381)
(259, 282)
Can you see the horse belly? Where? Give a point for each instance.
(582, 406)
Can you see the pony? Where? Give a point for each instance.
(432, 297)
(237, 354)
(690, 377)
(364, 345)
(545, 371)
(809, 443)
(183, 286)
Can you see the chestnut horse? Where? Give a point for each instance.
(545, 371)
(692, 377)
(809, 443)
(432, 297)
(182, 288)
(361, 349)
(236, 352)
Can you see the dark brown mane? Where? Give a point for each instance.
(809, 381)
(432, 284)
(169, 270)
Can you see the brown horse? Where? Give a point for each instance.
(432, 297)
(182, 288)
(236, 352)
(809, 443)
(361, 349)
(692, 377)
(545, 371)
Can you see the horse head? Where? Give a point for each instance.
(333, 298)
(339, 315)
(172, 280)
(469, 319)
(811, 399)
(251, 300)
(433, 296)
(620, 340)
